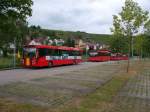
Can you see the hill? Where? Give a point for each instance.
(101, 38)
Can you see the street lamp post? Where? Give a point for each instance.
(87, 49)
(14, 64)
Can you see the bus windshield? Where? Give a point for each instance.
(29, 52)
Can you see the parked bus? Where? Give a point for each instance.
(118, 56)
(48, 56)
(99, 56)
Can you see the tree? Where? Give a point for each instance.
(147, 28)
(70, 42)
(119, 45)
(11, 13)
(139, 44)
(129, 22)
(146, 45)
(22, 32)
(35, 31)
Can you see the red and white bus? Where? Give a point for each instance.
(99, 56)
(118, 56)
(48, 56)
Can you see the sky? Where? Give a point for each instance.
(92, 16)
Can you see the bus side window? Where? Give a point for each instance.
(59, 53)
(43, 52)
(76, 53)
(70, 53)
(73, 53)
(64, 53)
(79, 53)
(55, 52)
(50, 52)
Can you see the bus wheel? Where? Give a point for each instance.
(50, 64)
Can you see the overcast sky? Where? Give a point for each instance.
(92, 16)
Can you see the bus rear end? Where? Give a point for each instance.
(118, 57)
(99, 56)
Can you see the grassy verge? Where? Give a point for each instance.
(9, 106)
(7, 62)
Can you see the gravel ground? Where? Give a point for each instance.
(55, 86)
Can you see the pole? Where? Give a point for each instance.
(86, 54)
(14, 53)
(87, 48)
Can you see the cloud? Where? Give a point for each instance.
(93, 16)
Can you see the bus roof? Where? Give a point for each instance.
(54, 47)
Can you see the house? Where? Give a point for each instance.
(79, 43)
(103, 46)
(45, 41)
(59, 42)
(37, 41)
(34, 42)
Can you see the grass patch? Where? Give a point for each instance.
(101, 98)
(9, 106)
(7, 62)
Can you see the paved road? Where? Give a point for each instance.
(16, 75)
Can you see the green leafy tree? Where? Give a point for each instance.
(146, 45)
(119, 45)
(22, 32)
(35, 31)
(147, 28)
(11, 13)
(139, 44)
(70, 42)
(129, 22)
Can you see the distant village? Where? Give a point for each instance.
(82, 43)
(78, 43)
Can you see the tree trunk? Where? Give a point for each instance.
(132, 49)
(128, 65)
(129, 53)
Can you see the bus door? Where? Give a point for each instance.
(29, 55)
